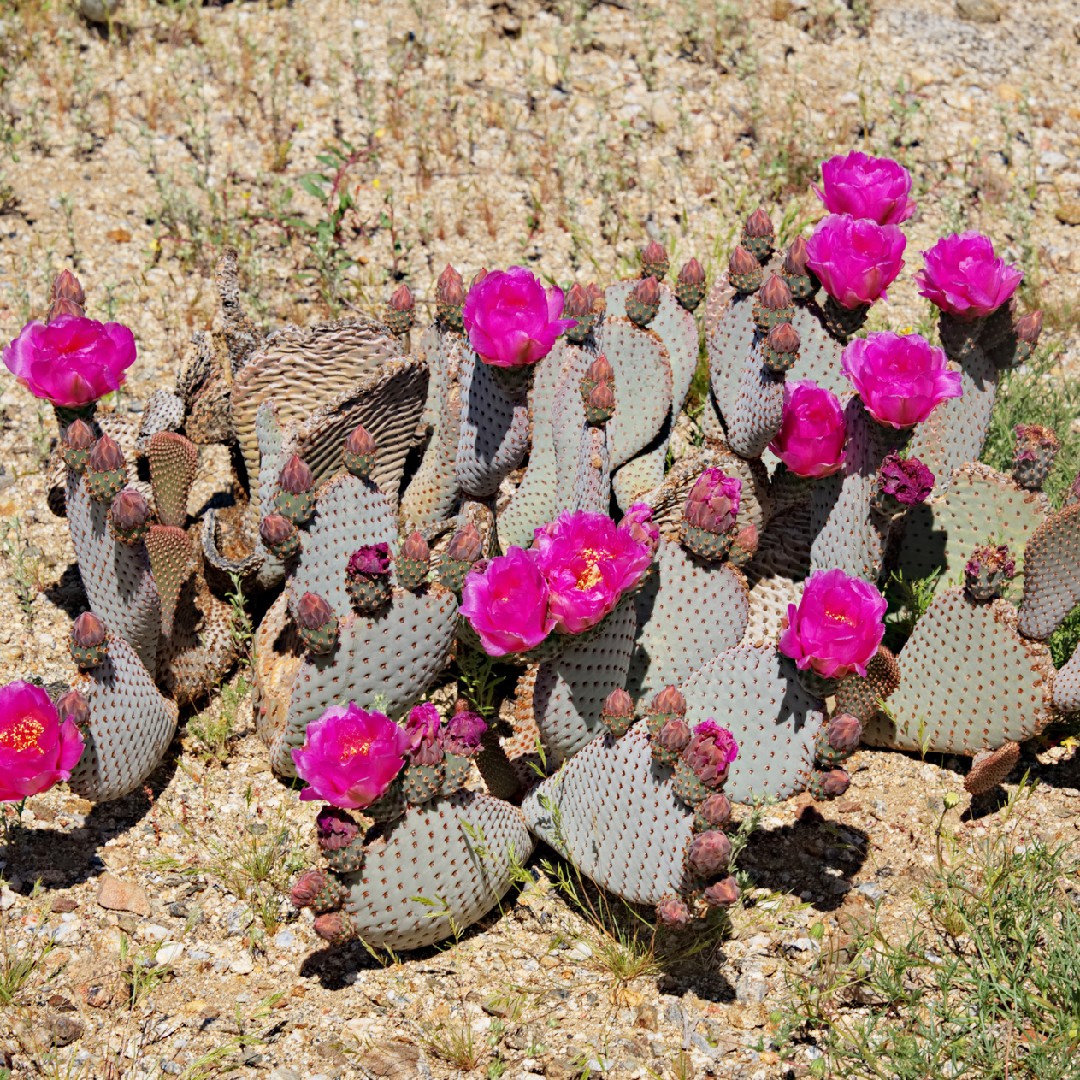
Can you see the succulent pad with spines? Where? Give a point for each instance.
(174, 460)
(1067, 685)
(1051, 573)
(991, 767)
(171, 563)
(861, 695)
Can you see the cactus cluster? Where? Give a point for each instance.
(391, 481)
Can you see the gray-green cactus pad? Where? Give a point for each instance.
(980, 506)
(131, 725)
(611, 811)
(302, 369)
(116, 576)
(494, 431)
(759, 406)
(753, 691)
(1051, 573)
(641, 474)
(819, 352)
(643, 386)
(987, 685)
(388, 403)
(398, 654)
(436, 871)
(592, 481)
(1067, 685)
(769, 600)
(687, 612)
(729, 346)
(565, 695)
(349, 513)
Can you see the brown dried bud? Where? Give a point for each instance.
(466, 544)
(600, 370)
(359, 442)
(668, 701)
(647, 291)
(74, 707)
(66, 286)
(416, 548)
(783, 338)
(774, 294)
(106, 455)
(578, 303)
(296, 478)
(402, 299)
(129, 510)
(450, 289)
(334, 927)
(709, 853)
(602, 397)
(715, 810)
(758, 224)
(275, 530)
(1029, 327)
(673, 911)
(722, 893)
(307, 887)
(742, 263)
(313, 612)
(845, 733)
(835, 782)
(79, 435)
(618, 703)
(692, 273)
(88, 630)
(795, 259)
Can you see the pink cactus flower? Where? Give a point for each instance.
(638, 522)
(837, 627)
(963, 277)
(72, 361)
(713, 501)
(710, 752)
(588, 563)
(37, 748)
(511, 320)
(854, 259)
(866, 187)
(810, 441)
(505, 600)
(350, 756)
(464, 733)
(901, 378)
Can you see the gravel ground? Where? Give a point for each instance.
(560, 134)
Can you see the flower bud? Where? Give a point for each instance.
(78, 435)
(690, 285)
(88, 630)
(832, 784)
(781, 347)
(450, 288)
(714, 812)
(307, 887)
(795, 258)
(758, 224)
(710, 753)
(744, 271)
(722, 893)
(601, 401)
(674, 735)
(844, 733)
(74, 707)
(466, 544)
(692, 273)
(758, 236)
(335, 828)
(1036, 450)
(334, 927)
(647, 291)
(654, 260)
(106, 455)
(907, 480)
(577, 303)
(617, 713)
(416, 548)
(668, 702)
(402, 299)
(1029, 327)
(313, 612)
(643, 302)
(713, 502)
(773, 303)
(478, 277)
(600, 370)
(66, 286)
(296, 478)
(709, 853)
(673, 911)
(276, 530)
(129, 514)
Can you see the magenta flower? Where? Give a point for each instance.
(810, 441)
(901, 378)
(713, 502)
(37, 749)
(505, 600)
(907, 480)
(866, 187)
(855, 260)
(350, 756)
(511, 320)
(588, 563)
(962, 276)
(638, 522)
(72, 361)
(371, 560)
(837, 627)
(464, 733)
(710, 752)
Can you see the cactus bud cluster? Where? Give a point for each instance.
(617, 713)
(690, 285)
(838, 740)
(773, 305)
(654, 261)
(106, 470)
(758, 236)
(598, 391)
(1036, 450)
(413, 561)
(464, 549)
(584, 304)
(643, 302)
(76, 444)
(988, 572)
(796, 273)
(296, 497)
(129, 517)
(744, 271)
(280, 535)
(67, 297)
(316, 623)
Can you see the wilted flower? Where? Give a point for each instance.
(371, 560)
(713, 501)
(422, 727)
(866, 187)
(511, 320)
(588, 563)
(506, 602)
(37, 748)
(812, 432)
(854, 259)
(963, 277)
(907, 480)
(464, 733)
(837, 627)
(638, 522)
(350, 756)
(901, 378)
(72, 361)
(710, 752)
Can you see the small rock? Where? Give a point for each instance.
(980, 11)
(154, 931)
(872, 890)
(579, 951)
(62, 904)
(1068, 213)
(169, 952)
(751, 986)
(116, 895)
(242, 965)
(284, 939)
(67, 933)
(64, 1028)
(283, 1072)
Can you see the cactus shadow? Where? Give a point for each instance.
(67, 592)
(61, 860)
(793, 858)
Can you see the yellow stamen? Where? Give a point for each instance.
(351, 747)
(590, 575)
(24, 734)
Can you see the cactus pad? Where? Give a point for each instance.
(1051, 574)
(989, 684)
(173, 462)
(171, 563)
(130, 728)
(1067, 685)
(754, 693)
